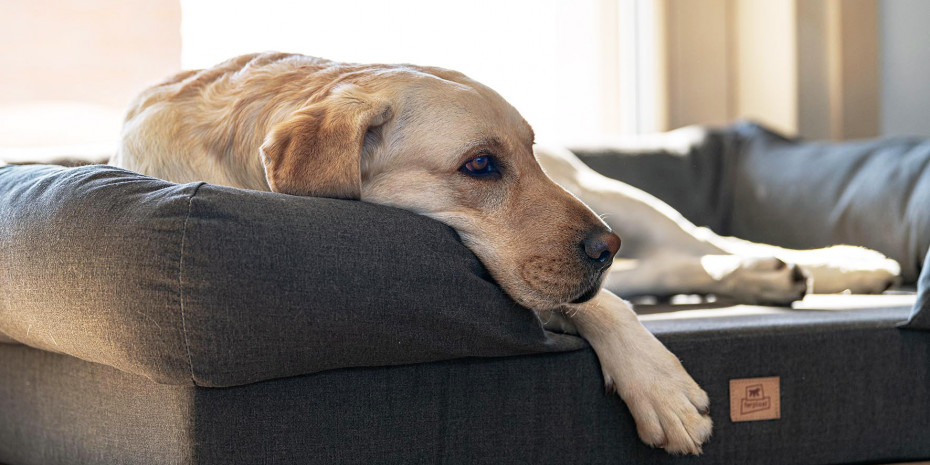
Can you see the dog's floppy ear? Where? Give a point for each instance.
(317, 150)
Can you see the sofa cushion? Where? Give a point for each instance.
(214, 286)
(873, 193)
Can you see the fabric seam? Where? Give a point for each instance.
(187, 346)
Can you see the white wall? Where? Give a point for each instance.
(544, 56)
(905, 67)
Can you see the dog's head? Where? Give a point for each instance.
(437, 143)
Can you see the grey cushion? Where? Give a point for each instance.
(213, 286)
(873, 193)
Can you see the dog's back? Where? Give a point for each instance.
(205, 125)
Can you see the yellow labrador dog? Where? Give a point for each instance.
(435, 142)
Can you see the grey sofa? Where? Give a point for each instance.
(148, 322)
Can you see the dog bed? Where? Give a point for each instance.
(148, 322)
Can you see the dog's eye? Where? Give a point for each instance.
(481, 166)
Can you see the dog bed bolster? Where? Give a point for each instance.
(197, 284)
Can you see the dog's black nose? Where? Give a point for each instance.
(600, 246)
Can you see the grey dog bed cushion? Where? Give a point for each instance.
(203, 285)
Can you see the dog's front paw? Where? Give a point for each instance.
(756, 280)
(670, 409)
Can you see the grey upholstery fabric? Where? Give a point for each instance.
(920, 317)
(90, 262)
(750, 182)
(873, 193)
(850, 392)
(56, 409)
(198, 284)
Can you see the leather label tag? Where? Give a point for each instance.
(755, 399)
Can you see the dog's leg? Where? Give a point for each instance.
(755, 280)
(670, 409)
(832, 269)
